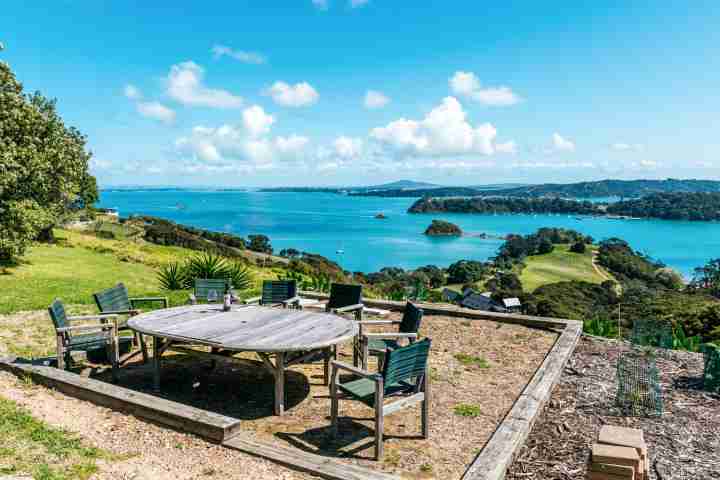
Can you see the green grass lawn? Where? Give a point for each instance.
(560, 265)
(80, 265)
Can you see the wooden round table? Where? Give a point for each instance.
(290, 336)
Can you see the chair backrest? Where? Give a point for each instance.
(406, 363)
(277, 291)
(411, 319)
(58, 316)
(203, 286)
(343, 295)
(113, 299)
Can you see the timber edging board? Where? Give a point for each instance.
(210, 425)
(499, 452)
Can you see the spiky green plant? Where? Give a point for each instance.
(240, 277)
(172, 276)
(682, 342)
(205, 265)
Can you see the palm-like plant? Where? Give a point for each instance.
(205, 265)
(240, 277)
(172, 276)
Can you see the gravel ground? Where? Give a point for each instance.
(499, 360)
(683, 444)
(151, 452)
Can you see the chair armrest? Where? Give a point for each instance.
(349, 308)
(248, 301)
(164, 300)
(382, 336)
(292, 300)
(121, 312)
(378, 322)
(80, 328)
(357, 371)
(101, 316)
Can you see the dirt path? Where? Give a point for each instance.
(151, 452)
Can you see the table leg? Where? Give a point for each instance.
(156, 364)
(280, 383)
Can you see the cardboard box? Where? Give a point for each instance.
(619, 471)
(615, 455)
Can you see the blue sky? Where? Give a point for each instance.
(312, 92)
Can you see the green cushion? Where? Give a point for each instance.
(363, 390)
(88, 340)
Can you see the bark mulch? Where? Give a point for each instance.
(683, 443)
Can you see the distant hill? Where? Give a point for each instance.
(400, 185)
(597, 189)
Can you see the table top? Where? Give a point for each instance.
(247, 328)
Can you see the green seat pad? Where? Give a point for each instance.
(88, 339)
(382, 344)
(363, 389)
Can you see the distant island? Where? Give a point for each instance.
(665, 206)
(443, 228)
(598, 189)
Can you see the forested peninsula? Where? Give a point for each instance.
(665, 206)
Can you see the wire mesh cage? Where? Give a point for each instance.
(652, 333)
(638, 388)
(711, 373)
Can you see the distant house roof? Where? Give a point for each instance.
(512, 302)
(478, 302)
(451, 295)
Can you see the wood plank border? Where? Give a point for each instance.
(209, 425)
(499, 452)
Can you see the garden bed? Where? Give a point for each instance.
(683, 443)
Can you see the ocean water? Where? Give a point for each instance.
(327, 223)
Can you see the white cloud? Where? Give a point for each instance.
(298, 95)
(348, 148)
(562, 144)
(156, 111)
(627, 147)
(256, 121)
(239, 55)
(466, 84)
(185, 84)
(132, 92)
(648, 164)
(294, 144)
(320, 4)
(358, 3)
(507, 147)
(375, 99)
(444, 131)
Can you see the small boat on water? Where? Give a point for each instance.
(340, 251)
(381, 216)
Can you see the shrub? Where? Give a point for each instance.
(578, 247)
(467, 410)
(172, 276)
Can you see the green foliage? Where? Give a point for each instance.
(441, 227)
(259, 243)
(683, 342)
(578, 247)
(626, 264)
(164, 232)
(44, 174)
(698, 206)
(601, 327)
(467, 271)
(467, 410)
(707, 277)
(172, 276)
(574, 300)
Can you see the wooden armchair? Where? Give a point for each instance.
(277, 293)
(203, 287)
(116, 300)
(405, 374)
(377, 344)
(84, 337)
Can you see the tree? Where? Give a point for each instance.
(578, 247)
(259, 243)
(466, 271)
(707, 277)
(44, 168)
(545, 246)
(289, 253)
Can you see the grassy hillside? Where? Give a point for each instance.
(560, 265)
(81, 264)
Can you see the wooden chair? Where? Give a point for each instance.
(116, 300)
(71, 338)
(203, 287)
(377, 344)
(277, 293)
(405, 374)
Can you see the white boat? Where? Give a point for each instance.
(340, 251)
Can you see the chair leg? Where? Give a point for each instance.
(379, 400)
(156, 364)
(426, 406)
(113, 354)
(61, 364)
(327, 354)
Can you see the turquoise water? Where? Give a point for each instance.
(325, 223)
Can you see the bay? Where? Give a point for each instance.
(326, 224)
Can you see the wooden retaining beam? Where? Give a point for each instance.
(210, 425)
